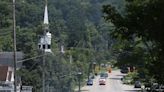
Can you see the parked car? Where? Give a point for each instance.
(90, 82)
(147, 86)
(124, 70)
(157, 88)
(102, 81)
(137, 84)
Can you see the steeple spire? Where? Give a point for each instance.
(46, 15)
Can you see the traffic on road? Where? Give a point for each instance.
(112, 83)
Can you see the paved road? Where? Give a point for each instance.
(113, 84)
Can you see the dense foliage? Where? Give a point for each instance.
(76, 24)
(142, 20)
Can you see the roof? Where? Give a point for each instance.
(6, 58)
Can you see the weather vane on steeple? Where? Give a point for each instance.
(46, 2)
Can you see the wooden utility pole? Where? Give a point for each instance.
(14, 45)
(43, 75)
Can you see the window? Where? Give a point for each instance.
(49, 46)
(44, 46)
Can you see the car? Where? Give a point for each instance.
(92, 77)
(137, 84)
(157, 88)
(90, 82)
(147, 86)
(102, 81)
(104, 74)
(124, 70)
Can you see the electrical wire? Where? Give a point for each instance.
(4, 32)
(20, 61)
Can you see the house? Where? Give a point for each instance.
(7, 71)
(6, 78)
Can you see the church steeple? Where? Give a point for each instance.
(45, 40)
(46, 22)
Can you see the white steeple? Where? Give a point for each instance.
(45, 40)
(46, 15)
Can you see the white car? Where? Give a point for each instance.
(102, 81)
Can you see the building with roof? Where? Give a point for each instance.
(7, 71)
(7, 59)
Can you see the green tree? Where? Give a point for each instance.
(141, 19)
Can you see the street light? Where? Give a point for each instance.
(89, 70)
(94, 66)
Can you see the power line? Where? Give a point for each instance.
(20, 61)
(29, 59)
(5, 33)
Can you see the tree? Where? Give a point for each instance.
(143, 19)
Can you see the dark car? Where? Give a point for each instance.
(147, 86)
(137, 84)
(92, 77)
(90, 82)
(124, 70)
(104, 74)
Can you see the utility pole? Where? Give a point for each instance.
(14, 45)
(89, 69)
(94, 66)
(79, 85)
(45, 44)
(43, 75)
(70, 61)
(79, 77)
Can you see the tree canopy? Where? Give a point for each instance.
(142, 19)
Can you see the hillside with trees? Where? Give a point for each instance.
(78, 25)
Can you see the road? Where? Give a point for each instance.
(113, 84)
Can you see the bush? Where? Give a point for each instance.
(130, 78)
